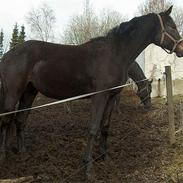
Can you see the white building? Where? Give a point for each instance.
(153, 61)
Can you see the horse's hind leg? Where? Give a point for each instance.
(26, 101)
(9, 105)
(3, 139)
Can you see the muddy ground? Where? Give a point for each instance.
(139, 151)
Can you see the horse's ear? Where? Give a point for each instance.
(167, 12)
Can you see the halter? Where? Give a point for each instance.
(146, 88)
(164, 32)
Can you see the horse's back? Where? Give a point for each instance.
(60, 71)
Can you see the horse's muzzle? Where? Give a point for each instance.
(179, 49)
(148, 106)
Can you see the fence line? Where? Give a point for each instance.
(69, 99)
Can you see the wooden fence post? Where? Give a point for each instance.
(170, 104)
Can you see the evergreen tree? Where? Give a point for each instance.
(22, 36)
(15, 37)
(1, 43)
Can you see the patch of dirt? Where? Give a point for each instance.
(138, 152)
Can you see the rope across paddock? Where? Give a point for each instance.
(69, 99)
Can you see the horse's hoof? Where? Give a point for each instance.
(87, 164)
(103, 157)
(14, 150)
(88, 174)
(102, 153)
(21, 149)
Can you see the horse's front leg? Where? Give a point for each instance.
(98, 105)
(105, 126)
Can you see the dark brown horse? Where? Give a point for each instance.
(62, 71)
(144, 86)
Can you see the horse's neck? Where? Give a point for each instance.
(137, 75)
(136, 41)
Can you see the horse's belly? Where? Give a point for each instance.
(60, 90)
(57, 83)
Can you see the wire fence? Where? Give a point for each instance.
(70, 99)
(130, 83)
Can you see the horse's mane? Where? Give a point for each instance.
(100, 38)
(123, 30)
(117, 30)
(126, 27)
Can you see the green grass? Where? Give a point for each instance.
(161, 100)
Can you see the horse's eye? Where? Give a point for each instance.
(171, 27)
(174, 27)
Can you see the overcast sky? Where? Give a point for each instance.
(12, 11)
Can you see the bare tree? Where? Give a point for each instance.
(109, 19)
(156, 6)
(41, 22)
(82, 28)
(178, 17)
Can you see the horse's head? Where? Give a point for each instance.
(144, 93)
(167, 36)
